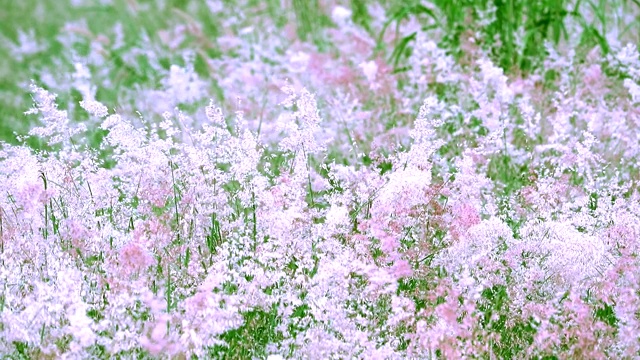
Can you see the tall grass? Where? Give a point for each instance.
(514, 33)
(320, 179)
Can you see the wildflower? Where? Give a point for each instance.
(299, 61)
(184, 86)
(634, 90)
(340, 14)
(370, 69)
(94, 108)
(133, 258)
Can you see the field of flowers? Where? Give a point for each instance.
(316, 179)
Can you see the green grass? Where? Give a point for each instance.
(513, 32)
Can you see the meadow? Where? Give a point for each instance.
(320, 179)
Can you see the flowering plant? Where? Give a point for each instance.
(277, 186)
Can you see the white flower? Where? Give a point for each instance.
(80, 325)
(215, 6)
(94, 108)
(370, 70)
(27, 45)
(628, 55)
(340, 14)
(184, 85)
(337, 216)
(299, 61)
(633, 88)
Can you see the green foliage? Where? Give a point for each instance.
(541, 21)
(495, 308)
(397, 14)
(250, 340)
(361, 14)
(606, 313)
(513, 32)
(309, 20)
(506, 173)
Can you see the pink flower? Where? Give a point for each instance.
(401, 268)
(158, 341)
(388, 244)
(133, 258)
(593, 75)
(465, 216)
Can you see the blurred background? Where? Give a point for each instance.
(155, 56)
